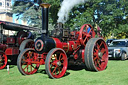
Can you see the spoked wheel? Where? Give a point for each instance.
(3, 60)
(86, 32)
(56, 63)
(28, 62)
(96, 54)
(20, 36)
(28, 43)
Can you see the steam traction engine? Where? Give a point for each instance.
(13, 39)
(62, 47)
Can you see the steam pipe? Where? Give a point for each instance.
(45, 8)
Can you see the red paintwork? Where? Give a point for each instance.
(10, 40)
(75, 56)
(42, 45)
(65, 47)
(3, 47)
(42, 58)
(12, 51)
(20, 40)
(83, 55)
(1, 22)
(83, 32)
(69, 46)
(56, 70)
(11, 44)
(58, 43)
(56, 58)
(31, 62)
(3, 60)
(73, 45)
(104, 60)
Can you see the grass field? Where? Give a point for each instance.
(115, 74)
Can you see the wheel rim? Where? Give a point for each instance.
(29, 62)
(3, 60)
(100, 55)
(84, 36)
(57, 63)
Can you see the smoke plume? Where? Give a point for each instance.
(66, 6)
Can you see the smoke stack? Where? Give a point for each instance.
(45, 8)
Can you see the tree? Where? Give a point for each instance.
(110, 15)
(83, 14)
(31, 11)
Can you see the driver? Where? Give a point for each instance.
(88, 29)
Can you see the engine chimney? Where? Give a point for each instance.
(45, 8)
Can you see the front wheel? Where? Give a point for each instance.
(56, 63)
(28, 62)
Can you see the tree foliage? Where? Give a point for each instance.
(31, 11)
(110, 15)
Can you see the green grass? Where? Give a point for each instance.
(115, 74)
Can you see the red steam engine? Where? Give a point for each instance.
(63, 47)
(13, 39)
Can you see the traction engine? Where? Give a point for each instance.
(12, 45)
(62, 48)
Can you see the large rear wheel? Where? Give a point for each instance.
(96, 54)
(86, 32)
(56, 63)
(28, 62)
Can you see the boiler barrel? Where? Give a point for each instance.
(44, 44)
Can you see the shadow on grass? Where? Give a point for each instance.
(81, 67)
(70, 67)
(76, 67)
(41, 71)
(118, 59)
(12, 63)
(44, 72)
(10, 66)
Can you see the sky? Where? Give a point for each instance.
(15, 17)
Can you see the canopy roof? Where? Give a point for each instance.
(16, 27)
